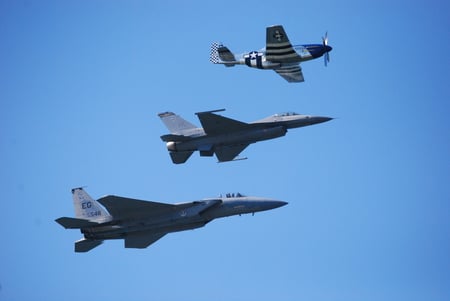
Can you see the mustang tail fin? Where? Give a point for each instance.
(222, 55)
(87, 208)
(176, 124)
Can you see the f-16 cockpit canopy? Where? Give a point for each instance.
(233, 195)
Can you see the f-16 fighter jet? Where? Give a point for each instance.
(278, 55)
(141, 223)
(225, 137)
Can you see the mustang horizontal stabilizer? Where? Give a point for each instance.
(215, 124)
(123, 208)
(141, 240)
(291, 73)
(74, 223)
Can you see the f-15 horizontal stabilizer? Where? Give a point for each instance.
(74, 223)
(84, 245)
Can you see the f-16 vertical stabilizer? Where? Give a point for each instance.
(175, 124)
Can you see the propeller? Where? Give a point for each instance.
(326, 55)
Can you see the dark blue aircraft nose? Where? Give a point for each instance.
(318, 50)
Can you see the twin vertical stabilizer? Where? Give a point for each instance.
(87, 208)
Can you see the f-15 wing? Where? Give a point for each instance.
(124, 208)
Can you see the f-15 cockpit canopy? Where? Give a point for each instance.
(233, 195)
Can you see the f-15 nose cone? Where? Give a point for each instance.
(319, 119)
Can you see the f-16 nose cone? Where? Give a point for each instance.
(272, 204)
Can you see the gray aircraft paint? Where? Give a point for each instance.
(223, 136)
(141, 223)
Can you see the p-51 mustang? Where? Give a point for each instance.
(278, 55)
(141, 223)
(225, 137)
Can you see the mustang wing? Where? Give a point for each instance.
(125, 208)
(292, 73)
(142, 240)
(228, 153)
(278, 47)
(215, 124)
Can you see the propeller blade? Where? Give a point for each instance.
(325, 39)
(326, 56)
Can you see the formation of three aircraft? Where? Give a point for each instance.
(141, 223)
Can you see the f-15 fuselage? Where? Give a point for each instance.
(185, 216)
(141, 223)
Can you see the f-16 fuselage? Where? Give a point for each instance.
(226, 137)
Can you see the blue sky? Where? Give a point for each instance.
(81, 83)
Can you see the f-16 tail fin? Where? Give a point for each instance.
(87, 208)
(176, 124)
(84, 245)
(222, 55)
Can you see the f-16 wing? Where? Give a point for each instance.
(292, 73)
(278, 47)
(215, 124)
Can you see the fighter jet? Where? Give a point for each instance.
(278, 55)
(225, 137)
(141, 223)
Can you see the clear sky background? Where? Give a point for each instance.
(81, 83)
